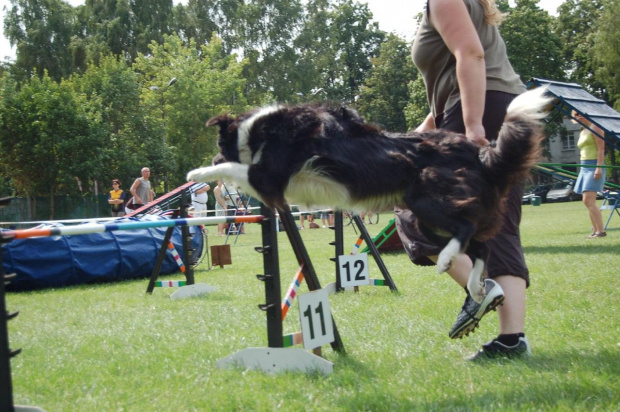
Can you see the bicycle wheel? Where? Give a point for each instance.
(374, 218)
(347, 218)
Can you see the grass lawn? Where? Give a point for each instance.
(111, 347)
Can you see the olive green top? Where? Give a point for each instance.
(438, 65)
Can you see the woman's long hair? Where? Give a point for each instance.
(492, 15)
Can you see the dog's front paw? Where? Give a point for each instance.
(200, 175)
(444, 262)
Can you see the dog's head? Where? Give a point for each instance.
(227, 141)
(242, 138)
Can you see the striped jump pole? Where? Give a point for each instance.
(111, 227)
(292, 291)
(356, 247)
(176, 257)
(170, 283)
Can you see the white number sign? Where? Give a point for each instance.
(317, 327)
(353, 270)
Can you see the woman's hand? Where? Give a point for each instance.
(477, 135)
(427, 124)
(598, 173)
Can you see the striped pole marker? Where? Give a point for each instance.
(378, 282)
(170, 283)
(357, 245)
(292, 339)
(111, 227)
(292, 291)
(176, 256)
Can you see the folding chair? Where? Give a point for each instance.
(611, 202)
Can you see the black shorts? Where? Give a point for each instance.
(505, 250)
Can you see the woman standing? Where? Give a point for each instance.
(469, 84)
(220, 206)
(591, 179)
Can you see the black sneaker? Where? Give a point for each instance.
(495, 349)
(472, 312)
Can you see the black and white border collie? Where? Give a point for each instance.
(316, 155)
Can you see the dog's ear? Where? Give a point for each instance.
(348, 113)
(222, 121)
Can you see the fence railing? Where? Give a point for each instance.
(25, 209)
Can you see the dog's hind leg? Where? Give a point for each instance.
(460, 240)
(475, 283)
(438, 224)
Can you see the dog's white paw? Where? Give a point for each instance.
(475, 283)
(444, 263)
(448, 255)
(202, 174)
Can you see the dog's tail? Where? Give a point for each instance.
(518, 144)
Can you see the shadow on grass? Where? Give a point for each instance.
(594, 248)
(562, 361)
(546, 389)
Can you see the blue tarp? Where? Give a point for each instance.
(58, 261)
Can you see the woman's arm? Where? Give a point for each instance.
(600, 151)
(218, 197)
(427, 124)
(452, 21)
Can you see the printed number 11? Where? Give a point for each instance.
(319, 311)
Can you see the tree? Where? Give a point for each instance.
(105, 26)
(111, 93)
(151, 22)
(197, 20)
(606, 51)
(209, 83)
(533, 48)
(264, 33)
(576, 26)
(47, 140)
(385, 94)
(417, 110)
(357, 40)
(41, 30)
(607, 58)
(335, 45)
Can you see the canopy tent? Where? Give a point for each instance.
(571, 96)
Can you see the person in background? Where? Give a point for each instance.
(220, 206)
(141, 190)
(469, 84)
(200, 196)
(325, 218)
(591, 179)
(116, 198)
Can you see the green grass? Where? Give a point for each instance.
(111, 347)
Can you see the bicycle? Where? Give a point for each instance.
(347, 217)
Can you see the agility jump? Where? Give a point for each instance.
(100, 228)
(277, 356)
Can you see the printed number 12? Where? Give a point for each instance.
(358, 263)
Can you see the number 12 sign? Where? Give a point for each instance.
(353, 270)
(317, 327)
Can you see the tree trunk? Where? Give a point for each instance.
(51, 203)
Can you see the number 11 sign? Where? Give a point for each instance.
(317, 327)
